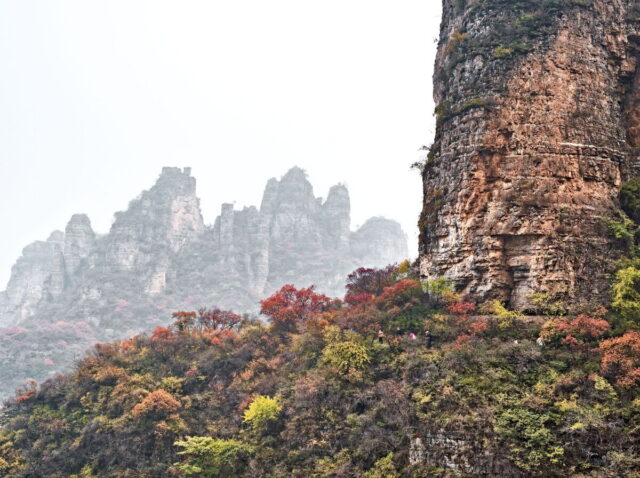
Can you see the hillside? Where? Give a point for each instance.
(78, 287)
(317, 394)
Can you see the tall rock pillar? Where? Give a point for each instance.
(535, 108)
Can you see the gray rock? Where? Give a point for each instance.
(160, 257)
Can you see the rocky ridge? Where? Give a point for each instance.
(159, 256)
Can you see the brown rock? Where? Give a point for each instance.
(531, 148)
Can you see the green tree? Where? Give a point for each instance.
(626, 292)
(262, 410)
(383, 468)
(347, 355)
(212, 457)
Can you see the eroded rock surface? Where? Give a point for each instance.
(537, 127)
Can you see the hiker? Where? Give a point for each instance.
(380, 336)
(398, 332)
(428, 338)
(540, 342)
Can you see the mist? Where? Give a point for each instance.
(95, 97)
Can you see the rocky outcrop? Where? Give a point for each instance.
(79, 244)
(160, 257)
(39, 275)
(161, 220)
(537, 119)
(378, 241)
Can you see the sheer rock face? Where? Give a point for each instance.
(39, 275)
(530, 151)
(162, 220)
(79, 243)
(159, 257)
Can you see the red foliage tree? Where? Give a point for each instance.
(222, 337)
(26, 394)
(461, 308)
(217, 319)
(621, 359)
(365, 318)
(399, 294)
(578, 333)
(370, 281)
(357, 299)
(469, 327)
(290, 306)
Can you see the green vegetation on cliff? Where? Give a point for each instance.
(341, 389)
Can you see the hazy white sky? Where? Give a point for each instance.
(97, 96)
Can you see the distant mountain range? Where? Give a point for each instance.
(78, 287)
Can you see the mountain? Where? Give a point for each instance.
(78, 287)
(538, 119)
(319, 393)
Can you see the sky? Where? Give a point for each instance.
(96, 97)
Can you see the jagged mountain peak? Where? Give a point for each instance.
(338, 198)
(159, 257)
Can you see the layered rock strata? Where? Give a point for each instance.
(538, 118)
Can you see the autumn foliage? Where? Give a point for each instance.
(218, 319)
(290, 306)
(400, 293)
(338, 389)
(621, 359)
(158, 403)
(579, 333)
(365, 283)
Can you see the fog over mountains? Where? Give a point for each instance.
(77, 287)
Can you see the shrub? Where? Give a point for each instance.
(545, 304)
(621, 359)
(383, 468)
(210, 457)
(440, 290)
(157, 404)
(347, 356)
(505, 316)
(533, 444)
(578, 333)
(626, 292)
(261, 411)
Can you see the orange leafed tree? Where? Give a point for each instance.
(184, 320)
(578, 333)
(621, 359)
(159, 403)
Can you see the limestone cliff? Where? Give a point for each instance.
(77, 288)
(537, 125)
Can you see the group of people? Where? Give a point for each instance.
(428, 338)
